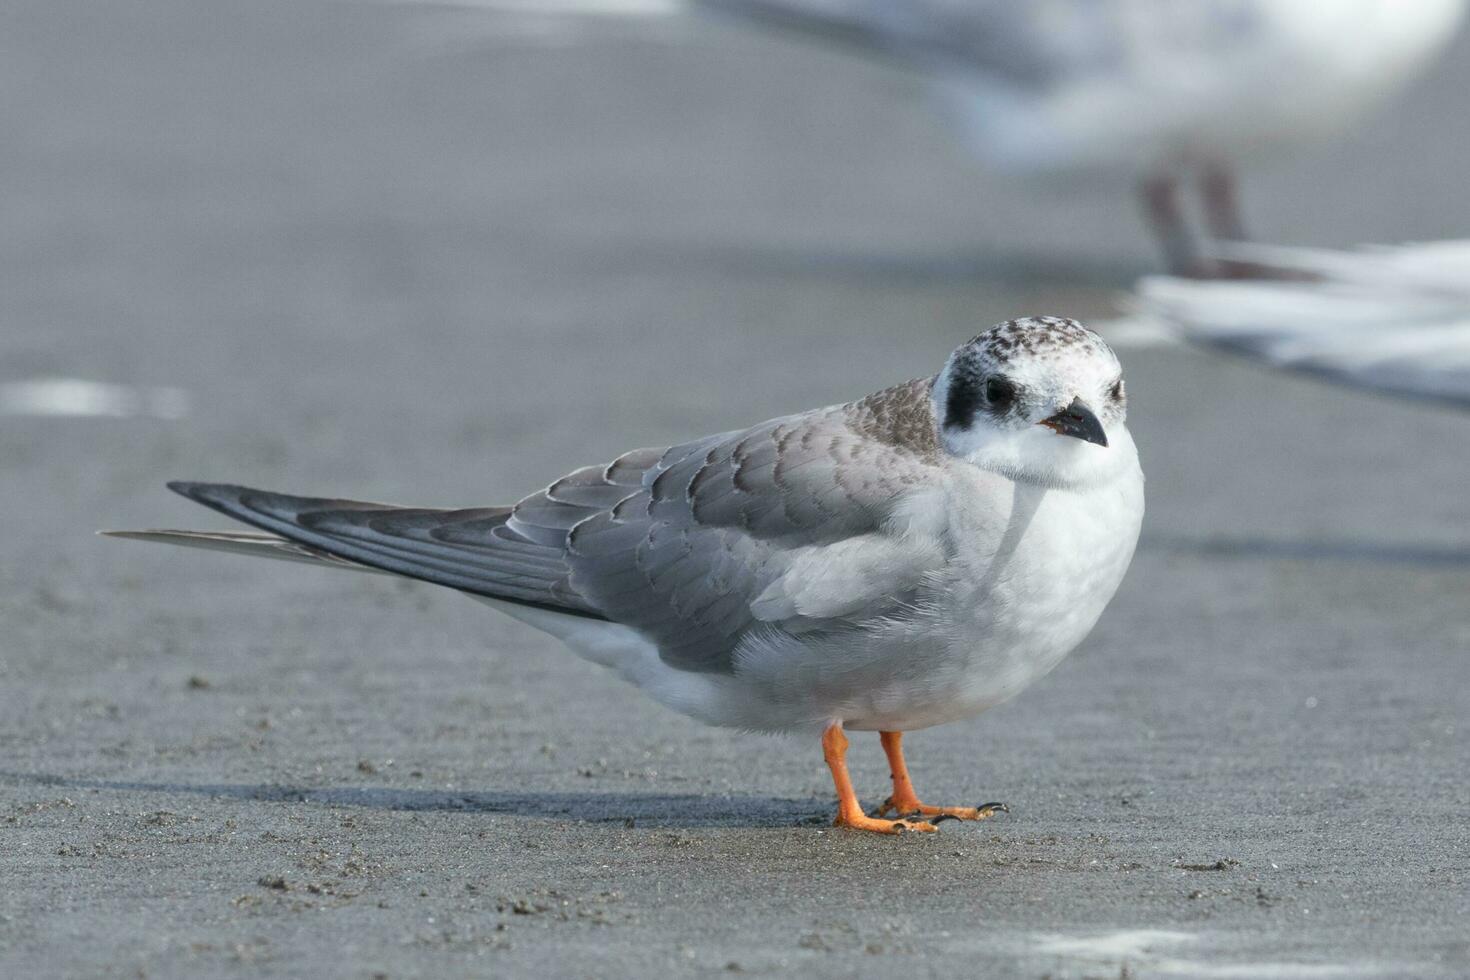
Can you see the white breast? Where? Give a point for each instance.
(1019, 612)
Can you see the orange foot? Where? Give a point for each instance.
(913, 808)
(849, 813)
(861, 821)
(905, 803)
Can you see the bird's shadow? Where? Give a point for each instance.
(666, 810)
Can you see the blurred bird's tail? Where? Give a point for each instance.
(816, 22)
(1394, 319)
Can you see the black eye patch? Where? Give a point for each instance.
(962, 400)
(967, 393)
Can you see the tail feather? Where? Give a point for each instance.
(244, 543)
(472, 550)
(834, 25)
(1394, 319)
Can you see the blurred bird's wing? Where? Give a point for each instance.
(1391, 319)
(1037, 46)
(777, 527)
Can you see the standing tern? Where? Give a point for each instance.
(897, 562)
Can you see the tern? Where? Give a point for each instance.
(900, 561)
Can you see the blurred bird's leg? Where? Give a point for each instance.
(1222, 206)
(849, 813)
(1159, 195)
(1222, 218)
(905, 802)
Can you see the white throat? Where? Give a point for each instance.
(1039, 456)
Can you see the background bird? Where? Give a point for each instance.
(897, 562)
(1153, 93)
(1392, 319)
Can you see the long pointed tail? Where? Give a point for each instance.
(474, 550)
(246, 543)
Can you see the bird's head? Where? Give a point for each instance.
(1038, 399)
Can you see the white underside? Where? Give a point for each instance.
(993, 621)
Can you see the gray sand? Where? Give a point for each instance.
(391, 270)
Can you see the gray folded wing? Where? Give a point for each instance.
(714, 523)
(679, 543)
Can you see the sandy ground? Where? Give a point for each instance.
(385, 265)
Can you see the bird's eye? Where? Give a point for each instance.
(1116, 391)
(999, 392)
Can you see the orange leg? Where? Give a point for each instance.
(905, 802)
(849, 813)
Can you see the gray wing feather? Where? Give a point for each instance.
(716, 521)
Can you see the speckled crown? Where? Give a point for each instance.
(1044, 337)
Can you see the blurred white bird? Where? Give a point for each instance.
(1155, 92)
(1393, 319)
